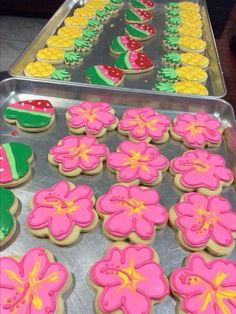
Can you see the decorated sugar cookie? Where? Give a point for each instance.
(146, 5)
(204, 285)
(90, 34)
(185, 43)
(131, 212)
(175, 59)
(8, 208)
(128, 279)
(63, 42)
(183, 30)
(85, 11)
(137, 163)
(183, 14)
(30, 115)
(102, 15)
(33, 283)
(83, 45)
(76, 154)
(183, 73)
(145, 124)
(132, 62)
(197, 130)
(62, 212)
(46, 70)
(92, 118)
(58, 56)
(137, 16)
(104, 75)
(140, 31)
(122, 44)
(198, 170)
(15, 163)
(94, 23)
(204, 222)
(70, 31)
(76, 21)
(184, 87)
(186, 20)
(185, 5)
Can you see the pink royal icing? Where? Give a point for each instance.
(31, 285)
(75, 152)
(92, 116)
(137, 161)
(61, 208)
(198, 129)
(37, 105)
(142, 123)
(5, 167)
(200, 169)
(202, 218)
(111, 72)
(132, 209)
(130, 280)
(206, 287)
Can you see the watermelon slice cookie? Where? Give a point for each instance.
(30, 115)
(105, 75)
(140, 31)
(133, 62)
(121, 44)
(137, 16)
(15, 159)
(146, 5)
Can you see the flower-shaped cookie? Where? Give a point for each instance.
(93, 118)
(15, 160)
(202, 171)
(129, 279)
(131, 212)
(197, 130)
(204, 222)
(205, 285)
(62, 212)
(33, 283)
(74, 154)
(137, 163)
(145, 124)
(8, 208)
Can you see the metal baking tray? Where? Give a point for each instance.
(90, 247)
(100, 52)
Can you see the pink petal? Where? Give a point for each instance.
(129, 147)
(150, 175)
(139, 133)
(222, 235)
(87, 105)
(102, 106)
(119, 224)
(94, 127)
(216, 160)
(180, 127)
(136, 303)
(88, 141)
(107, 118)
(163, 119)
(196, 179)
(128, 174)
(223, 173)
(229, 220)
(91, 163)
(157, 130)
(213, 136)
(202, 117)
(40, 217)
(196, 140)
(116, 160)
(77, 121)
(60, 226)
(213, 124)
(147, 196)
(156, 214)
(8, 263)
(80, 192)
(70, 164)
(187, 117)
(180, 165)
(126, 124)
(29, 260)
(141, 255)
(160, 162)
(133, 112)
(84, 215)
(61, 188)
(196, 302)
(144, 228)
(98, 150)
(110, 299)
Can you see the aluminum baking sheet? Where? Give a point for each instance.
(90, 247)
(100, 53)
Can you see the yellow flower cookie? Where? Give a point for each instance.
(63, 42)
(70, 31)
(76, 21)
(46, 70)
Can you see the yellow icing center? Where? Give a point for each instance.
(195, 59)
(62, 208)
(140, 123)
(188, 87)
(191, 73)
(188, 30)
(51, 54)
(194, 7)
(130, 277)
(91, 114)
(195, 128)
(192, 43)
(134, 206)
(85, 12)
(136, 161)
(200, 166)
(80, 151)
(70, 31)
(205, 219)
(76, 21)
(39, 69)
(60, 41)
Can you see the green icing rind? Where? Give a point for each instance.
(61, 75)
(96, 77)
(168, 74)
(133, 31)
(7, 199)
(165, 87)
(27, 118)
(172, 58)
(122, 61)
(12, 160)
(130, 15)
(137, 4)
(117, 45)
(72, 57)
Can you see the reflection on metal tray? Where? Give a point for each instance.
(100, 53)
(80, 256)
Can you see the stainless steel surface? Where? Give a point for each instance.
(100, 53)
(91, 246)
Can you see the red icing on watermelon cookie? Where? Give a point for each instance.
(134, 62)
(105, 75)
(123, 43)
(137, 16)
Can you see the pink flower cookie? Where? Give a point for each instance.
(204, 222)
(33, 284)
(197, 130)
(137, 163)
(128, 280)
(62, 212)
(91, 118)
(205, 285)
(145, 124)
(74, 154)
(201, 171)
(131, 212)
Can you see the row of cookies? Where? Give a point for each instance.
(129, 279)
(186, 68)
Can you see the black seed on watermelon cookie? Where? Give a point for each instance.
(137, 16)
(30, 115)
(122, 44)
(146, 5)
(104, 75)
(140, 31)
(133, 62)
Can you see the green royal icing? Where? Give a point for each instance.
(122, 61)
(83, 44)
(72, 57)
(165, 87)
(111, 7)
(6, 222)
(172, 58)
(133, 31)
(174, 20)
(93, 23)
(130, 15)
(171, 41)
(172, 5)
(172, 13)
(102, 14)
(61, 74)
(168, 74)
(96, 77)
(138, 4)
(119, 2)
(117, 45)
(27, 118)
(172, 29)
(89, 34)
